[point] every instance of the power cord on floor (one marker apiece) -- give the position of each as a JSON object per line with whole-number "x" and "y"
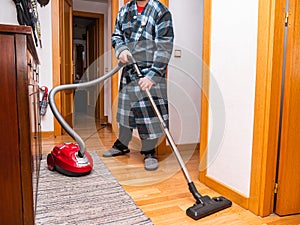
{"x": 103, "y": 125}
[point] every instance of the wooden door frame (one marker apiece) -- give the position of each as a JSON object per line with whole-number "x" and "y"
{"x": 287, "y": 183}
{"x": 267, "y": 107}
{"x": 114, "y": 63}
{"x": 56, "y": 58}
{"x": 66, "y": 60}
{"x": 56, "y": 75}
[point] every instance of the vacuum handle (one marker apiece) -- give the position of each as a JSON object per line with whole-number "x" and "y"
{"x": 136, "y": 68}
{"x": 60, "y": 118}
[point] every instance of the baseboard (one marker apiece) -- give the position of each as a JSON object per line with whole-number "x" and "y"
{"x": 165, "y": 149}
{"x": 226, "y": 191}
{"x": 184, "y": 147}
{"x": 46, "y": 134}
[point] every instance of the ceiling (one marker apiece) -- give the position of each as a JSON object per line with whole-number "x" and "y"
{"x": 80, "y": 23}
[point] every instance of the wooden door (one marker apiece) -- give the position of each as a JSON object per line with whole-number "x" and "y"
{"x": 165, "y": 2}
{"x": 66, "y": 66}
{"x": 288, "y": 195}
{"x": 95, "y": 68}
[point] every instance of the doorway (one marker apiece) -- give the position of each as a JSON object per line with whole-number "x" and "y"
{"x": 88, "y": 47}
{"x": 80, "y": 25}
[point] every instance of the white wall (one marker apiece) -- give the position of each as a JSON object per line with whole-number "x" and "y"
{"x": 45, "y": 56}
{"x": 184, "y": 77}
{"x": 233, "y": 70}
{"x": 8, "y": 15}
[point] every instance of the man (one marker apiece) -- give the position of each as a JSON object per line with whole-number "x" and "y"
{"x": 143, "y": 30}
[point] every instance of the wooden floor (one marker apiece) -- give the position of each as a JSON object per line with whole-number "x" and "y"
{"x": 163, "y": 194}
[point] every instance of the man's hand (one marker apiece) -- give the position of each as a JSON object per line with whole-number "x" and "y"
{"x": 145, "y": 83}
{"x": 123, "y": 57}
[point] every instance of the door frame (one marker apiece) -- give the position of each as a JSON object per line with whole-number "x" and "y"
{"x": 271, "y": 17}
{"x": 56, "y": 60}
{"x": 100, "y": 18}
{"x": 56, "y": 57}
{"x": 267, "y": 105}
{"x": 288, "y": 159}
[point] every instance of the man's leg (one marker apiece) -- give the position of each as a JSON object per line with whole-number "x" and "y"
{"x": 148, "y": 150}
{"x": 125, "y": 136}
{"x": 120, "y": 146}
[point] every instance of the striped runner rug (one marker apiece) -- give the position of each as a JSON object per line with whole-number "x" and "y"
{"x": 97, "y": 198}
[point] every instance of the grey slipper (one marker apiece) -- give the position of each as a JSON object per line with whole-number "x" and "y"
{"x": 115, "y": 152}
{"x": 151, "y": 163}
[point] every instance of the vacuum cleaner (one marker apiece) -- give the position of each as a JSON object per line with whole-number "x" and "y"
{"x": 72, "y": 159}
{"x": 204, "y": 205}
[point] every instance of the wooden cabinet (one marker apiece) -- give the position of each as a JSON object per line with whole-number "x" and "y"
{"x": 20, "y": 141}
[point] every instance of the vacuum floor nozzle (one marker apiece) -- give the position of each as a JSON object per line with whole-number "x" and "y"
{"x": 207, "y": 207}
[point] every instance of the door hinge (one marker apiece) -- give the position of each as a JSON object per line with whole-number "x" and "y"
{"x": 275, "y": 188}
{"x": 286, "y": 19}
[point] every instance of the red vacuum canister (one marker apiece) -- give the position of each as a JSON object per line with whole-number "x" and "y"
{"x": 65, "y": 159}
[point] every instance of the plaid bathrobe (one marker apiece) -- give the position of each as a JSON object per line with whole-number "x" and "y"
{"x": 149, "y": 37}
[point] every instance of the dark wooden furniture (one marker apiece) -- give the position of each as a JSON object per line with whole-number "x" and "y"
{"x": 20, "y": 141}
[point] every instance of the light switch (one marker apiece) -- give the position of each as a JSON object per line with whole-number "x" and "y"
{"x": 177, "y": 53}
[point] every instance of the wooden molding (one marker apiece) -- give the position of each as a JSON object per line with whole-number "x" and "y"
{"x": 114, "y": 62}
{"x": 226, "y": 191}
{"x": 46, "y": 134}
{"x": 267, "y": 105}
{"x": 205, "y": 88}
{"x": 88, "y": 15}
{"x": 56, "y": 57}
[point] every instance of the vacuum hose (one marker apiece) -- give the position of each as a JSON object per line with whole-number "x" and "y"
{"x": 60, "y": 118}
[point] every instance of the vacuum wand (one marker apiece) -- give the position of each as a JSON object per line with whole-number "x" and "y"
{"x": 191, "y": 184}
{"x": 204, "y": 204}
{"x": 60, "y": 118}
{"x": 192, "y": 187}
